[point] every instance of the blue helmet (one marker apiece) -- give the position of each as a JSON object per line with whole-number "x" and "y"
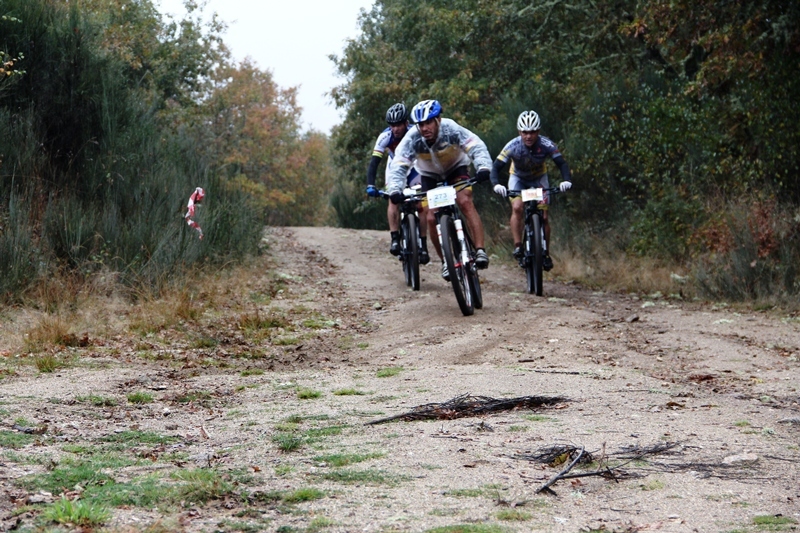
{"x": 425, "y": 110}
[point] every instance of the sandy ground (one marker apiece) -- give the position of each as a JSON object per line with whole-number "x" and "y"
{"x": 634, "y": 372}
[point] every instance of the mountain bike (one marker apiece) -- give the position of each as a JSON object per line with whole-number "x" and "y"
{"x": 457, "y": 246}
{"x": 533, "y": 240}
{"x": 410, "y": 239}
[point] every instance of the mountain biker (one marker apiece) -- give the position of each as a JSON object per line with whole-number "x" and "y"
{"x": 441, "y": 150}
{"x": 527, "y": 154}
{"x": 397, "y": 118}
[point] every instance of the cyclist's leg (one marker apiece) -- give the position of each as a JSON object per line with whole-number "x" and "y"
{"x": 430, "y": 216}
{"x": 517, "y": 211}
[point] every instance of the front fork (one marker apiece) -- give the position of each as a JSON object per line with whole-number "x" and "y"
{"x": 465, "y": 258}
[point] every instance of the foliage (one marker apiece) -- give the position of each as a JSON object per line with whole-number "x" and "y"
{"x": 113, "y": 116}
{"x": 665, "y": 110}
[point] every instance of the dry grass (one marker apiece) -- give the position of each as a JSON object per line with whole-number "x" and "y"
{"x": 619, "y": 272}
{"x": 63, "y": 312}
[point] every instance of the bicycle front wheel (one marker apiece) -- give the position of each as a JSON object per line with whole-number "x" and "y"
{"x": 472, "y": 272}
{"x": 451, "y": 250}
{"x": 410, "y": 239}
{"x": 534, "y": 256}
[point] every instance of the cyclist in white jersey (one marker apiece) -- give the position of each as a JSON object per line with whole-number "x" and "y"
{"x": 442, "y": 150}
{"x": 527, "y": 154}
{"x": 397, "y": 118}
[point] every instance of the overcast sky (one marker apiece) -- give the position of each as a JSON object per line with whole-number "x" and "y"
{"x": 292, "y": 39}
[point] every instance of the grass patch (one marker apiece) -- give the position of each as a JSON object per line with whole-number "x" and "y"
{"x": 329, "y": 431}
{"x": 653, "y": 484}
{"x": 139, "y": 437}
{"x": 308, "y": 394}
{"x": 97, "y": 401}
{"x": 513, "y": 515}
{"x": 65, "y": 477}
{"x": 79, "y": 513}
{"x": 468, "y": 528}
{"x": 251, "y": 372}
{"x": 741, "y": 424}
{"x": 288, "y": 442}
{"x": 465, "y": 493}
{"x": 303, "y": 495}
{"x": 344, "y": 459}
{"x": 319, "y": 523}
{"x": 146, "y": 492}
{"x": 773, "y": 523}
{"x": 318, "y": 322}
{"x": 538, "y": 418}
{"x": 348, "y": 392}
{"x": 389, "y": 372}
{"x": 201, "y": 485}
{"x": 14, "y": 440}
{"x": 140, "y": 397}
{"x": 47, "y": 363}
{"x": 370, "y": 477}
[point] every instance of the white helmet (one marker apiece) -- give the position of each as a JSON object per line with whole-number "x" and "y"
{"x": 528, "y": 121}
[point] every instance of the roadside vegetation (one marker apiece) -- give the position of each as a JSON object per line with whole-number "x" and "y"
{"x": 677, "y": 121}
{"x": 110, "y": 116}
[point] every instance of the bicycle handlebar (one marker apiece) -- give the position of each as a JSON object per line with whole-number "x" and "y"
{"x": 515, "y": 194}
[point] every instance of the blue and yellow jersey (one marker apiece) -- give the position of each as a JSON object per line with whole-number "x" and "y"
{"x": 528, "y": 163}
{"x": 386, "y": 143}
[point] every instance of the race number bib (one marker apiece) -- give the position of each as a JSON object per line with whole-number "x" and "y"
{"x": 441, "y": 197}
{"x": 532, "y": 195}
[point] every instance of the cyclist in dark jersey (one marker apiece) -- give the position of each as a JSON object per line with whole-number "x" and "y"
{"x": 527, "y": 155}
{"x": 397, "y": 118}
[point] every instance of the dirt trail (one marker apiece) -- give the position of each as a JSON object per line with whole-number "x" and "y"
{"x": 638, "y": 372}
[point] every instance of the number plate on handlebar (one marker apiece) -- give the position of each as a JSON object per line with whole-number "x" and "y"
{"x": 441, "y": 197}
{"x": 532, "y": 195}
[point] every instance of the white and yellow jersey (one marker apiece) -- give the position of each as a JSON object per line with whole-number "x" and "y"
{"x": 456, "y": 146}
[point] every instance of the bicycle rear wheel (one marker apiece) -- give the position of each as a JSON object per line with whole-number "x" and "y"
{"x": 410, "y": 240}
{"x": 451, "y": 250}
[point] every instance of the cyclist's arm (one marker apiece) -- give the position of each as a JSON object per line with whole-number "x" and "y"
{"x": 475, "y": 148}
{"x": 497, "y": 166}
{"x": 372, "y": 169}
{"x": 563, "y": 167}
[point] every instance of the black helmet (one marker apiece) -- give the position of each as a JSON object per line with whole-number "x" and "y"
{"x": 396, "y": 114}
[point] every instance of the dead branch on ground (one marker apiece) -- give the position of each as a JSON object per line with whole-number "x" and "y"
{"x": 468, "y": 405}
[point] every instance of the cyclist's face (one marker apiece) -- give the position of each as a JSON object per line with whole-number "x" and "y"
{"x": 529, "y": 138}
{"x": 399, "y": 129}
{"x": 429, "y": 129}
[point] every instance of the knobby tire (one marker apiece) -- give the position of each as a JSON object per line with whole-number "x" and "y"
{"x": 451, "y": 250}
{"x": 474, "y": 279}
{"x": 536, "y": 257}
{"x": 411, "y": 251}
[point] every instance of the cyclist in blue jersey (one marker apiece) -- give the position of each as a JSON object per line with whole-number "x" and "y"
{"x": 397, "y": 118}
{"x": 442, "y": 150}
{"x": 527, "y": 154}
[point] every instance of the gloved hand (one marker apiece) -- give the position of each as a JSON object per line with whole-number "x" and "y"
{"x": 397, "y": 197}
{"x": 372, "y": 191}
{"x": 501, "y": 190}
{"x": 565, "y": 186}
{"x": 483, "y": 175}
